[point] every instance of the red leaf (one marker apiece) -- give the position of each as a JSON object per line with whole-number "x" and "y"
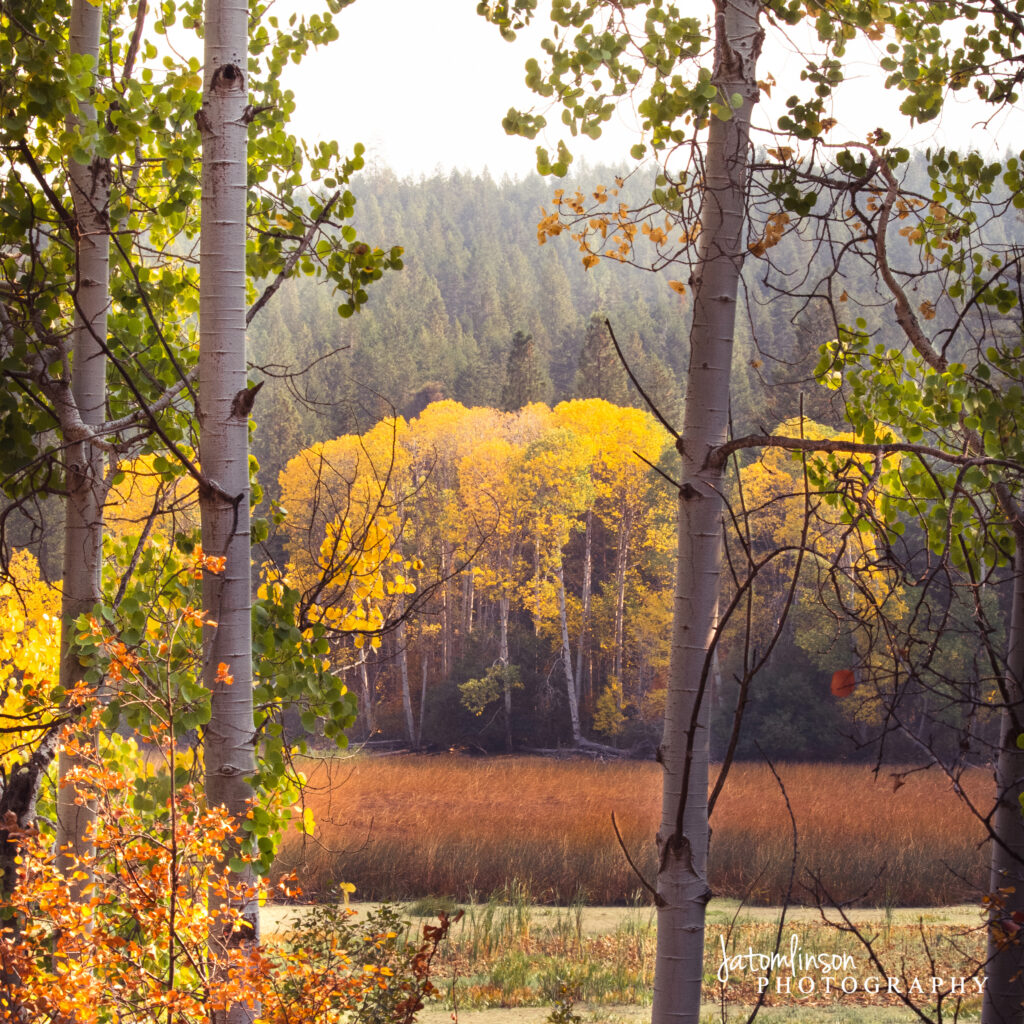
{"x": 843, "y": 682}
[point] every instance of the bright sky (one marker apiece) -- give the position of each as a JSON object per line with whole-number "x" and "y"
{"x": 423, "y": 84}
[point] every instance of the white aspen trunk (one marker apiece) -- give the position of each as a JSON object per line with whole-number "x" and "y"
{"x": 1004, "y": 996}
{"x": 468, "y": 596}
{"x": 86, "y": 489}
{"x": 588, "y": 544}
{"x": 504, "y": 603}
{"x": 570, "y": 685}
{"x": 403, "y": 672}
{"x": 423, "y": 700}
{"x": 621, "y": 555}
{"x": 229, "y": 740}
{"x": 446, "y": 623}
{"x": 369, "y": 722}
{"x": 536, "y": 576}
{"x": 403, "y": 653}
{"x": 683, "y": 890}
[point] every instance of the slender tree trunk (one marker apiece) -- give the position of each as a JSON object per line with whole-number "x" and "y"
{"x": 621, "y": 556}
{"x": 403, "y": 672}
{"x": 83, "y": 525}
{"x": 369, "y": 721}
{"x": 446, "y": 620}
{"x": 682, "y": 885}
{"x": 423, "y": 700}
{"x": 570, "y": 685}
{"x": 229, "y": 741}
{"x": 536, "y": 576}
{"x": 504, "y": 603}
{"x": 1004, "y": 994}
{"x": 468, "y": 596}
{"x": 588, "y": 542}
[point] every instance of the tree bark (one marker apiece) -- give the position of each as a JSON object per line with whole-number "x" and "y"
{"x": 423, "y": 699}
{"x": 588, "y": 544}
{"x": 403, "y": 672}
{"x": 504, "y": 603}
{"x": 682, "y": 885}
{"x": 229, "y": 740}
{"x": 621, "y": 556}
{"x": 369, "y": 721}
{"x": 1004, "y": 998}
{"x": 86, "y": 488}
{"x": 570, "y": 685}
{"x": 446, "y": 618}
{"x": 467, "y": 608}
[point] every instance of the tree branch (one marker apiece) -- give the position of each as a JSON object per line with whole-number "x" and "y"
{"x": 718, "y": 457}
{"x": 289, "y": 264}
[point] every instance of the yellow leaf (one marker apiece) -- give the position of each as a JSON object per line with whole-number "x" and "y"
{"x": 308, "y": 822}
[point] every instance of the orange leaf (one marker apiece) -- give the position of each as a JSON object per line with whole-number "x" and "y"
{"x": 843, "y": 682}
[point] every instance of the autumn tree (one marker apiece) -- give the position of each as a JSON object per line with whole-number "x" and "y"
{"x": 98, "y": 304}
{"x": 699, "y": 215}
{"x": 720, "y": 101}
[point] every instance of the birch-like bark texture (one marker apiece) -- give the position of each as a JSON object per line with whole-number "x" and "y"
{"x": 682, "y": 885}
{"x": 1004, "y": 972}
{"x": 84, "y": 479}
{"x": 229, "y": 749}
{"x": 504, "y": 604}
{"x": 570, "y": 684}
{"x": 621, "y": 557}
{"x": 584, "y": 601}
{"x": 403, "y": 672}
{"x": 369, "y": 721}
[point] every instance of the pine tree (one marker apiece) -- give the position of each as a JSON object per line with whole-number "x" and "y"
{"x": 599, "y": 373}
{"x": 525, "y": 379}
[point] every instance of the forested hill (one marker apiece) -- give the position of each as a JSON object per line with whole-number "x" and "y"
{"x": 475, "y": 277}
{"x": 444, "y": 326}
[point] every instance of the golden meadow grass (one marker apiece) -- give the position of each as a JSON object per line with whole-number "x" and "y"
{"x": 410, "y": 826}
{"x": 526, "y": 966}
{"x": 512, "y": 954}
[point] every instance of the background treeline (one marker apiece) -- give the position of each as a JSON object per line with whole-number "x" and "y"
{"x": 485, "y": 317}
{"x": 474, "y": 277}
{"x": 442, "y": 368}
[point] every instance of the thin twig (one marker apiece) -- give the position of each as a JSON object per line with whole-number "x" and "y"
{"x": 643, "y": 394}
{"x": 658, "y": 900}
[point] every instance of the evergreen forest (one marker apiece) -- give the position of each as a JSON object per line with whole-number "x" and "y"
{"x": 488, "y": 362}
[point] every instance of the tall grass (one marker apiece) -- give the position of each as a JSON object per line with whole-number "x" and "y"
{"x": 411, "y": 826}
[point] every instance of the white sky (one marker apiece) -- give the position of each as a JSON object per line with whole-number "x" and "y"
{"x": 423, "y": 84}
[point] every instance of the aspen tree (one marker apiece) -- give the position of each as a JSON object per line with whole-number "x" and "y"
{"x": 224, "y": 406}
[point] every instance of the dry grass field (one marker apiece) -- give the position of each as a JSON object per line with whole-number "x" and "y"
{"x": 410, "y": 826}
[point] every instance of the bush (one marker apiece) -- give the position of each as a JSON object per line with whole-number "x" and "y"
{"x": 334, "y": 943}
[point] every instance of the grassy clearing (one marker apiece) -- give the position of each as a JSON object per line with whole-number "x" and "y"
{"x": 710, "y": 1015}
{"x": 410, "y": 826}
{"x": 515, "y": 958}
